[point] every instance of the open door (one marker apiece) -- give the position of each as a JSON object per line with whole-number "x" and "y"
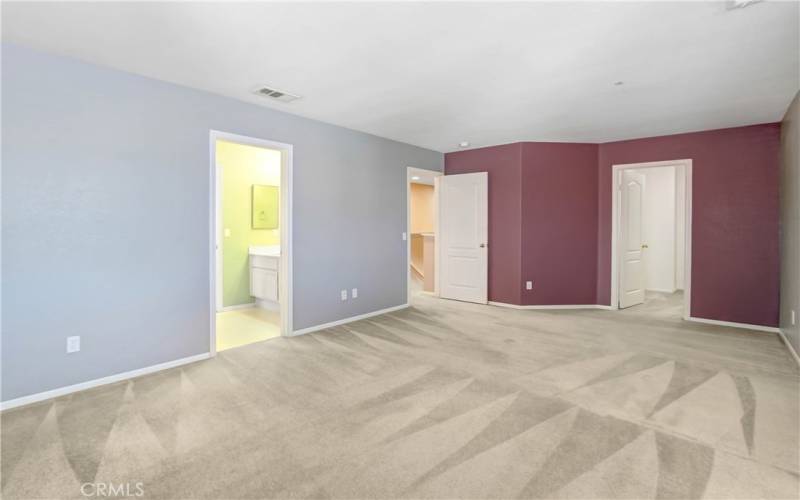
{"x": 463, "y": 236}
{"x": 632, "y": 271}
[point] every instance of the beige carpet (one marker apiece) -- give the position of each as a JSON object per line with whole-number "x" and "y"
{"x": 442, "y": 400}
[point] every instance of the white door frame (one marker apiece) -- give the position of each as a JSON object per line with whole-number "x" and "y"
{"x": 616, "y": 176}
{"x": 411, "y": 172}
{"x": 215, "y": 229}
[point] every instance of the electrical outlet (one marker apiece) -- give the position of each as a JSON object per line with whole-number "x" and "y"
{"x": 405, "y": 236}
{"x": 73, "y": 344}
{"x": 529, "y": 285}
{"x": 344, "y": 294}
{"x": 354, "y": 293}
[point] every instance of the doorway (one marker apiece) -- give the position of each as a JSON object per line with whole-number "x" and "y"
{"x": 651, "y": 238}
{"x": 457, "y": 249}
{"x": 421, "y": 234}
{"x": 251, "y": 279}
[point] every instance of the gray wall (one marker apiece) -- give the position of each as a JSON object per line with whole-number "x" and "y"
{"x": 790, "y": 223}
{"x": 105, "y": 233}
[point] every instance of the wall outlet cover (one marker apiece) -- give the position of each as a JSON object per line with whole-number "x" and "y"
{"x": 73, "y": 344}
{"x": 405, "y": 236}
{"x": 344, "y": 294}
{"x": 354, "y": 293}
{"x": 529, "y": 285}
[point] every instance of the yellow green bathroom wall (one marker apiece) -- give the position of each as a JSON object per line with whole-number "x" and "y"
{"x": 241, "y": 168}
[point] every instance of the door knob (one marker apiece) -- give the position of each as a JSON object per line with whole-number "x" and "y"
{"x": 644, "y": 245}
{"x": 483, "y": 245}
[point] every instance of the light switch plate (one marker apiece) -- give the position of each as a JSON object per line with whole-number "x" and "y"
{"x": 227, "y": 233}
{"x": 794, "y": 317}
{"x": 529, "y": 285}
{"x": 73, "y": 344}
{"x": 405, "y": 236}
{"x": 344, "y": 294}
{"x": 354, "y": 293}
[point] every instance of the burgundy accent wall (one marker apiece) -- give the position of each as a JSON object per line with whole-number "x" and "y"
{"x": 542, "y": 220}
{"x": 504, "y": 167}
{"x": 559, "y": 223}
{"x": 550, "y": 218}
{"x": 735, "y": 210}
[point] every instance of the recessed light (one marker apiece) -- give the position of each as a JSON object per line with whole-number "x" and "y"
{"x": 415, "y": 177}
{"x": 463, "y": 144}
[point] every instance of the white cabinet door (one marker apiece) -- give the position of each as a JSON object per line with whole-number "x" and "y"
{"x": 264, "y": 284}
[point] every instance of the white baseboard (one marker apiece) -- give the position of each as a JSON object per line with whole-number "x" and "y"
{"x": 573, "y": 306}
{"x": 348, "y": 320}
{"x": 238, "y": 307}
{"x": 62, "y": 391}
{"x": 268, "y": 305}
{"x": 789, "y": 346}
{"x": 746, "y": 326}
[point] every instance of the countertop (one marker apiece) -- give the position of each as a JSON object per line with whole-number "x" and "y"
{"x": 266, "y": 251}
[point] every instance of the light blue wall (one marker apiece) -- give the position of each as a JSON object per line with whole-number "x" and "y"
{"x": 105, "y": 206}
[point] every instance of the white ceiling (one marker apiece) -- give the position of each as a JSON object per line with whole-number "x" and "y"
{"x": 435, "y": 74}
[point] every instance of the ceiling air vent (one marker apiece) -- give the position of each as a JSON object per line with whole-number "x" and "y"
{"x": 278, "y": 95}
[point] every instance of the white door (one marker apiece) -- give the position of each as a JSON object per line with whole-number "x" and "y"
{"x": 463, "y": 236}
{"x": 632, "y": 271}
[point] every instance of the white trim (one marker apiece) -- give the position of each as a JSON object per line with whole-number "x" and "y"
{"x": 746, "y": 326}
{"x": 338, "y": 322}
{"x": 268, "y": 305}
{"x": 218, "y": 239}
{"x": 411, "y": 171}
{"x": 238, "y": 307}
{"x": 616, "y": 172}
{"x": 437, "y": 185}
{"x": 544, "y": 307}
{"x": 661, "y": 290}
{"x": 789, "y": 346}
{"x": 69, "y": 389}
{"x": 215, "y": 263}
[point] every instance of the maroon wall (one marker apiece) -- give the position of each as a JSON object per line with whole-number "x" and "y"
{"x": 504, "y": 167}
{"x": 550, "y": 218}
{"x": 735, "y": 260}
{"x": 559, "y": 223}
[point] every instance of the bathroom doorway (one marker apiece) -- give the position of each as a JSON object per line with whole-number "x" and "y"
{"x": 251, "y": 240}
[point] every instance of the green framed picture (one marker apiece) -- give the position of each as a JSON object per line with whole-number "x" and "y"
{"x": 265, "y": 205}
